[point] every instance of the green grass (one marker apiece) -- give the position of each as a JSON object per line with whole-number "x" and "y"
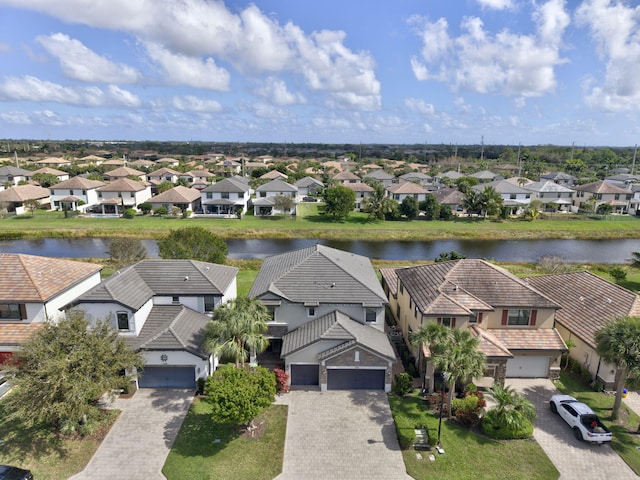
{"x": 195, "y": 455}
{"x": 625, "y": 441}
{"x": 310, "y": 224}
{"x": 47, "y": 455}
{"x": 468, "y": 455}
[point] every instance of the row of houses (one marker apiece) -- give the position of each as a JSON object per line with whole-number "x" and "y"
{"x": 327, "y": 314}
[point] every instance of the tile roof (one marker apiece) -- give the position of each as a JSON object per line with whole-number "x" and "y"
{"x": 449, "y": 196}
{"x": 502, "y": 187}
{"x": 587, "y": 301}
{"x": 600, "y": 187}
{"x": 228, "y": 185}
{"x": 133, "y": 286}
{"x": 277, "y": 186}
{"x": 489, "y": 344}
{"x": 468, "y": 285}
{"x": 358, "y": 187}
{"x": 308, "y": 182}
{"x": 123, "y": 172}
{"x": 15, "y": 171}
{"x": 20, "y": 193}
{"x": 162, "y": 171}
{"x": 390, "y": 277}
{"x": 336, "y": 326}
{"x": 177, "y": 194}
{"x": 320, "y": 274}
{"x": 548, "y": 186}
{"x": 172, "y": 327}
{"x": 529, "y": 338}
{"x": 17, "y": 333}
{"x": 274, "y": 174}
{"x": 77, "y": 183}
{"x": 30, "y": 278}
{"x": 406, "y": 188}
{"x": 123, "y": 185}
{"x": 346, "y": 175}
{"x": 379, "y": 175}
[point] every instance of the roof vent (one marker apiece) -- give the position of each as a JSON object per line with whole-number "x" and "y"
{"x": 186, "y": 278}
{"x": 333, "y": 284}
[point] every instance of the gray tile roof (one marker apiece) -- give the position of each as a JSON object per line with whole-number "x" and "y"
{"x": 320, "y": 274}
{"x": 462, "y": 286}
{"x": 77, "y": 183}
{"x": 277, "y": 185}
{"x": 177, "y": 194}
{"x": 228, "y": 185}
{"x": 308, "y": 182}
{"x": 336, "y": 326}
{"x": 135, "y": 285}
{"x": 172, "y": 327}
{"x": 502, "y": 187}
{"x": 587, "y": 301}
{"x": 548, "y": 186}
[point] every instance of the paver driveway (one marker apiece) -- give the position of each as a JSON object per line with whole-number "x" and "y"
{"x": 574, "y": 459}
{"x": 345, "y": 435}
{"x": 138, "y": 444}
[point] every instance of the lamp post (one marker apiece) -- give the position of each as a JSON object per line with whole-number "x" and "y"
{"x": 444, "y": 383}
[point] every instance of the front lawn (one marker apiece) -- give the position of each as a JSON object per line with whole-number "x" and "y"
{"x": 626, "y": 441}
{"x": 206, "y": 450}
{"x": 468, "y": 455}
{"x": 47, "y": 455}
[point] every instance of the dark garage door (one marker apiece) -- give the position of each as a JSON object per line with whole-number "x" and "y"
{"x": 167, "y": 377}
{"x": 355, "y": 379}
{"x": 304, "y": 375}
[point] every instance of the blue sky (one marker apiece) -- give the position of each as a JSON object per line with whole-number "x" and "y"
{"x": 351, "y": 71}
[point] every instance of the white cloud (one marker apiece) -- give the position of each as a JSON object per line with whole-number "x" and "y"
{"x": 192, "y": 71}
{"x": 506, "y": 63}
{"x": 80, "y": 63}
{"x": 615, "y": 30}
{"x": 420, "y": 106}
{"x": 496, "y": 4}
{"x": 16, "y": 118}
{"x": 33, "y": 89}
{"x": 189, "y": 39}
{"x": 191, "y": 103}
{"x": 276, "y": 91}
{"x": 47, "y": 117}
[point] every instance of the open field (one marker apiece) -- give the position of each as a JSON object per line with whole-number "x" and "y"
{"x": 311, "y": 224}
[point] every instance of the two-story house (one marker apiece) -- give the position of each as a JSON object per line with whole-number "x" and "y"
{"x": 161, "y": 308}
{"x": 362, "y": 191}
{"x": 381, "y": 176}
{"x": 34, "y": 290}
{"x": 77, "y": 193}
{"x": 121, "y": 194}
{"x": 402, "y": 190}
{"x": 266, "y": 202}
{"x": 346, "y": 177}
{"x": 11, "y": 176}
{"x": 185, "y": 198}
{"x": 513, "y": 196}
{"x": 61, "y": 176}
{"x": 597, "y": 193}
{"x": 14, "y": 198}
{"x": 228, "y": 197}
{"x": 553, "y": 196}
{"x": 308, "y": 187}
{"x": 327, "y": 318}
{"x": 513, "y": 321}
{"x": 123, "y": 172}
{"x": 163, "y": 175}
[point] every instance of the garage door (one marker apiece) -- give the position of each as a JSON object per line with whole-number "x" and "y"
{"x": 167, "y": 377}
{"x": 528, "y": 367}
{"x": 355, "y": 379}
{"x": 304, "y": 375}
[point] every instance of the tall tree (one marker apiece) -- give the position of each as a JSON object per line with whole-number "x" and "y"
{"x": 238, "y": 329}
{"x": 193, "y": 243}
{"x": 618, "y": 343}
{"x": 124, "y": 251}
{"x": 409, "y": 208}
{"x": 453, "y": 351}
{"x": 64, "y": 368}
{"x": 340, "y": 201}
{"x": 46, "y": 179}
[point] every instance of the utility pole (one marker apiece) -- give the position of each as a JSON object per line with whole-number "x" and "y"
{"x": 633, "y": 163}
{"x": 519, "y": 164}
{"x": 482, "y": 148}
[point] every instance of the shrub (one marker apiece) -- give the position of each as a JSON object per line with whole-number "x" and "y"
{"x": 282, "y": 380}
{"x": 403, "y": 384}
{"x": 618, "y": 274}
{"x": 130, "y": 213}
{"x": 468, "y": 409}
{"x": 145, "y": 207}
{"x": 201, "y": 382}
{"x": 160, "y": 211}
{"x": 585, "y": 376}
{"x": 492, "y": 428}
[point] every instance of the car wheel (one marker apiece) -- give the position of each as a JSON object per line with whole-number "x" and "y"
{"x": 577, "y": 433}
{"x": 553, "y": 407}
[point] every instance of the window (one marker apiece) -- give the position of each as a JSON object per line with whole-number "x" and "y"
{"x": 512, "y": 196}
{"x": 224, "y": 195}
{"x": 209, "y": 303}
{"x": 175, "y": 299}
{"x": 99, "y": 194}
{"x": 401, "y": 289}
{"x": 370, "y": 315}
{"x": 446, "y": 321}
{"x": 123, "y": 320}
{"x": 209, "y": 195}
{"x": 12, "y": 311}
{"x": 398, "y": 311}
{"x": 311, "y": 312}
{"x": 272, "y": 313}
{"x": 519, "y": 317}
{"x": 617, "y": 196}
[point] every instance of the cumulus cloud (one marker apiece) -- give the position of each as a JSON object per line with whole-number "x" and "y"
{"x": 275, "y": 91}
{"x": 33, "y": 89}
{"x": 615, "y": 30}
{"x": 190, "y": 39}
{"x": 496, "y": 4}
{"x": 16, "y": 118}
{"x": 479, "y": 61}
{"x": 191, "y": 103}
{"x": 80, "y": 63}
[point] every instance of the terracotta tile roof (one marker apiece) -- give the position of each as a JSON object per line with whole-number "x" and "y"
{"x": 21, "y": 193}
{"x": 123, "y": 172}
{"x": 29, "y": 278}
{"x": 358, "y": 187}
{"x": 529, "y": 338}
{"x": 489, "y": 344}
{"x": 77, "y": 183}
{"x": 123, "y": 185}
{"x": 391, "y": 280}
{"x": 600, "y": 187}
{"x": 17, "y": 333}
{"x": 587, "y": 301}
{"x": 177, "y": 194}
{"x": 346, "y": 175}
{"x": 406, "y": 188}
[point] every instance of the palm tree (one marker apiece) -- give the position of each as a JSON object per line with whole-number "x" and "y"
{"x": 237, "y": 330}
{"x": 377, "y": 205}
{"x": 512, "y": 411}
{"x": 453, "y": 351}
{"x": 471, "y": 202}
{"x": 490, "y": 202}
{"x": 617, "y": 343}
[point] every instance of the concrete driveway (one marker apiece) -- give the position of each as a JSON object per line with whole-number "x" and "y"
{"x": 139, "y": 442}
{"x": 574, "y": 459}
{"x": 344, "y": 435}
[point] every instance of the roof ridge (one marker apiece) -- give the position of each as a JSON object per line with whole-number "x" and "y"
{"x": 22, "y": 258}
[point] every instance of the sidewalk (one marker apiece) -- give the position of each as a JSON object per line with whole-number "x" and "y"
{"x": 633, "y": 402}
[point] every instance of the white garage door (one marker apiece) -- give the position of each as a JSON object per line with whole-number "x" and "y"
{"x": 528, "y": 367}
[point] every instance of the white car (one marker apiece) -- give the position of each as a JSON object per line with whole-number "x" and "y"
{"x": 585, "y": 423}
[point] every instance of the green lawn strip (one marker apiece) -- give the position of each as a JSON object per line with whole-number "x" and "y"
{"x": 47, "y": 455}
{"x": 468, "y": 455}
{"x": 313, "y": 225}
{"x": 196, "y": 455}
{"x": 625, "y": 441}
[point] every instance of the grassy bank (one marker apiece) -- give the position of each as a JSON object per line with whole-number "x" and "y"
{"x": 313, "y": 225}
